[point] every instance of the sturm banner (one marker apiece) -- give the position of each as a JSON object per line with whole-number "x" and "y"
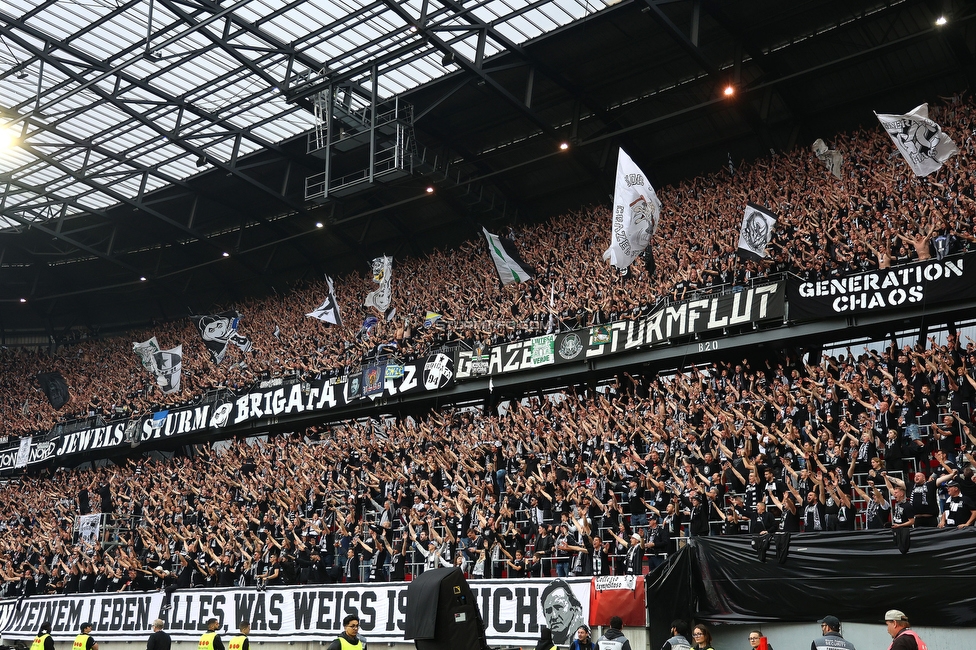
{"x": 268, "y": 402}
{"x": 513, "y": 611}
{"x": 914, "y": 285}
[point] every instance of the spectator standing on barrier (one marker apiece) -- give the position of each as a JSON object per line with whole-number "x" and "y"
{"x": 210, "y": 640}
{"x": 43, "y": 640}
{"x": 84, "y": 640}
{"x": 902, "y": 636}
{"x": 159, "y": 639}
{"x": 679, "y": 636}
{"x": 349, "y": 638}
{"x": 831, "y": 639}
{"x": 614, "y": 639}
{"x": 241, "y": 642}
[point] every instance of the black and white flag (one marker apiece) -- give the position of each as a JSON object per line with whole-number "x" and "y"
{"x": 169, "y": 369}
{"x": 145, "y": 352}
{"x": 55, "y": 387}
{"x": 328, "y": 311}
{"x": 920, "y": 141}
{"x": 756, "y": 232}
{"x": 220, "y": 330}
{"x": 382, "y": 275}
{"x": 636, "y": 212}
{"x": 831, "y": 158}
{"x": 508, "y": 263}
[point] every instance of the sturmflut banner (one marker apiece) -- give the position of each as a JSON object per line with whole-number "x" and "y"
{"x": 684, "y": 318}
{"x": 514, "y": 611}
{"x": 913, "y": 285}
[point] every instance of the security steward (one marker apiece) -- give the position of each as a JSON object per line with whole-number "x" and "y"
{"x": 209, "y": 640}
{"x": 84, "y": 641}
{"x": 43, "y": 640}
{"x": 831, "y": 639}
{"x": 349, "y": 639}
{"x": 240, "y": 641}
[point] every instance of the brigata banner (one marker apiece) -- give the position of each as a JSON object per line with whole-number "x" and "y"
{"x": 913, "y": 285}
{"x": 269, "y": 401}
{"x": 693, "y": 316}
{"x": 513, "y": 610}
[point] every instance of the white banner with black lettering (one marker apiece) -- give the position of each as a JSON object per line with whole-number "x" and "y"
{"x": 513, "y": 610}
{"x": 118, "y": 616}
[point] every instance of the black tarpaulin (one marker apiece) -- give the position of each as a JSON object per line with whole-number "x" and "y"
{"x": 855, "y": 575}
{"x": 442, "y": 613}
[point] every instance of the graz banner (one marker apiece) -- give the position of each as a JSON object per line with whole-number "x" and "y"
{"x": 751, "y": 305}
{"x": 513, "y": 611}
{"x": 913, "y": 285}
{"x": 272, "y": 400}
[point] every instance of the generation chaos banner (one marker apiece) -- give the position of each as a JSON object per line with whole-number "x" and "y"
{"x": 913, "y": 285}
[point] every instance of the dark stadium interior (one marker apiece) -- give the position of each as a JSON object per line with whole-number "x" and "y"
{"x": 632, "y": 75}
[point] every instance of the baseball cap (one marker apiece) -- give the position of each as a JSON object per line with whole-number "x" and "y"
{"x": 895, "y": 615}
{"x": 953, "y": 483}
{"x": 830, "y": 621}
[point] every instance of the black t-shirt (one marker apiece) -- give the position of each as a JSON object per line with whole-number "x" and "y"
{"x": 923, "y": 499}
{"x": 901, "y": 512}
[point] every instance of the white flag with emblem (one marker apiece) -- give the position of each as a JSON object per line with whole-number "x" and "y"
{"x": 920, "y": 141}
{"x": 636, "y": 212}
{"x": 756, "y": 232}
{"x": 382, "y": 275}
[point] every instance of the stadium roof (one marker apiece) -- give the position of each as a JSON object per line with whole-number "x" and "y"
{"x": 154, "y": 136}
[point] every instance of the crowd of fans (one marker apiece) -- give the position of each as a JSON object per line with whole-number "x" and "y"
{"x": 786, "y": 443}
{"x": 879, "y": 214}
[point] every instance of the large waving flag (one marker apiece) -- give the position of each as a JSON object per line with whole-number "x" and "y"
{"x": 920, "y": 141}
{"x": 636, "y": 212}
{"x": 756, "y": 232}
{"x": 329, "y": 310}
{"x": 382, "y": 275}
{"x": 509, "y": 264}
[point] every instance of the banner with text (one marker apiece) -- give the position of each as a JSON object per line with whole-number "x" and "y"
{"x": 913, "y": 285}
{"x": 118, "y": 616}
{"x": 688, "y": 317}
{"x": 513, "y": 611}
{"x": 269, "y": 401}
